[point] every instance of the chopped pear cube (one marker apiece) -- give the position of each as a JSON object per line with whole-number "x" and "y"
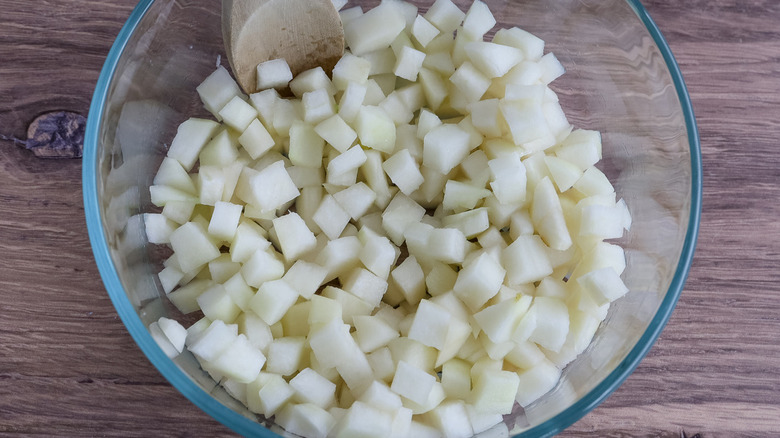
{"x": 273, "y": 74}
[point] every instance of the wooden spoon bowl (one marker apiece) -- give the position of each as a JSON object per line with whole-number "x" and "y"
{"x": 306, "y": 33}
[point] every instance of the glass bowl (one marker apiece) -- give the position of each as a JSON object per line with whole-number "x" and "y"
{"x": 621, "y": 80}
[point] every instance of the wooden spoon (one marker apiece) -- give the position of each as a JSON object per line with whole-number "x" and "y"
{"x": 306, "y": 33}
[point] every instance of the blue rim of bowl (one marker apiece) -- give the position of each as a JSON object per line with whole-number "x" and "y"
{"x": 247, "y": 427}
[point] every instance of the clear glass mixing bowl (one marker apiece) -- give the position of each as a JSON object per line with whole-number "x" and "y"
{"x": 621, "y": 80}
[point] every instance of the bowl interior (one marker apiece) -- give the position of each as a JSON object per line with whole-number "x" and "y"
{"x": 621, "y": 80}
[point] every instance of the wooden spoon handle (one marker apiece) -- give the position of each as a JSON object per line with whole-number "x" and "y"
{"x": 306, "y": 33}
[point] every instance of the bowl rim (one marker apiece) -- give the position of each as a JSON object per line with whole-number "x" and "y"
{"x": 248, "y": 427}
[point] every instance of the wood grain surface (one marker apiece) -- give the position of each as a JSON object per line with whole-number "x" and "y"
{"x": 68, "y": 367}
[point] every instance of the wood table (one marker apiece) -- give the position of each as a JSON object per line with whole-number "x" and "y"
{"x": 68, "y": 367}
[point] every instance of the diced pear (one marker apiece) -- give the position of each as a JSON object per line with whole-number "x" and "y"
{"x": 375, "y": 129}
{"x": 556, "y": 118}
{"x": 273, "y": 395}
{"x": 365, "y": 285}
{"x": 564, "y": 174}
{"x": 305, "y": 277}
{"x": 430, "y": 325}
{"x": 478, "y": 21}
{"x": 526, "y": 122}
{"x": 401, "y": 212}
{"x": 351, "y": 305}
{"x": 439, "y": 62}
{"x": 493, "y": 60}
{"x": 285, "y": 113}
{"x": 409, "y": 278}
{"x": 240, "y": 361}
{"x": 525, "y": 260}
{"x": 470, "y": 81}
{"x": 336, "y": 132}
{"x": 377, "y": 88}
{"x": 374, "y": 30}
{"x": 581, "y": 148}
{"x": 318, "y": 105}
{"x": 220, "y": 151}
{"x": 552, "y": 69}
{"x": 265, "y": 102}
{"x": 479, "y": 281}
{"x": 509, "y": 179}
{"x": 448, "y": 245}
{"x": 262, "y": 266}
{"x": 338, "y": 256}
{"x": 381, "y": 362}
{"x": 445, "y": 15}
{"x": 285, "y": 355}
{"x": 423, "y": 31}
{"x": 294, "y": 236}
{"x": 536, "y": 382}
{"x": 531, "y": 45}
{"x": 214, "y": 340}
{"x": 306, "y": 419}
{"x": 593, "y": 182}
{"x": 495, "y": 392}
{"x": 451, "y": 419}
{"x": 351, "y": 69}
{"x": 604, "y": 285}
{"x": 412, "y": 383}
{"x": 403, "y": 171}
{"x": 224, "y": 220}
{"x": 395, "y": 108}
{"x": 486, "y": 117}
{"x": 552, "y": 324}
{"x": 217, "y": 304}
{"x": 362, "y": 420}
{"x": 185, "y": 297}
{"x": 179, "y": 211}
{"x": 470, "y": 223}
{"x": 217, "y": 90}
{"x": 444, "y": 147}
{"x": 269, "y": 188}
{"x": 158, "y": 228}
{"x": 434, "y": 87}
{"x": 605, "y": 222}
{"x": 456, "y": 379}
{"x": 306, "y": 146}
{"x": 351, "y": 101}
{"x": 460, "y": 196}
{"x": 486, "y": 423}
{"x": 372, "y": 333}
{"x": 238, "y": 114}
{"x": 330, "y": 217}
{"x": 273, "y": 74}
{"x": 440, "y": 279}
{"x": 499, "y": 320}
{"x": 349, "y": 14}
{"x": 192, "y": 246}
{"x": 169, "y": 278}
{"x": 412, "y": 97}
{"x": 547, "y": 216}
{"x": 247, "y": 239}
{"x": 408, "y": 63}
{"x": 312, "y": 80}
{"x": 191, "y": 136}
{"x": 173, "y": 175}
{"x": 174, "y": 332}
{"x": 311, "y": 387}
{"x": 272, "y": 300}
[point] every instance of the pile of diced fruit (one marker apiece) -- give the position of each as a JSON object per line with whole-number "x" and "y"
{"x": 408, "y": 247}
